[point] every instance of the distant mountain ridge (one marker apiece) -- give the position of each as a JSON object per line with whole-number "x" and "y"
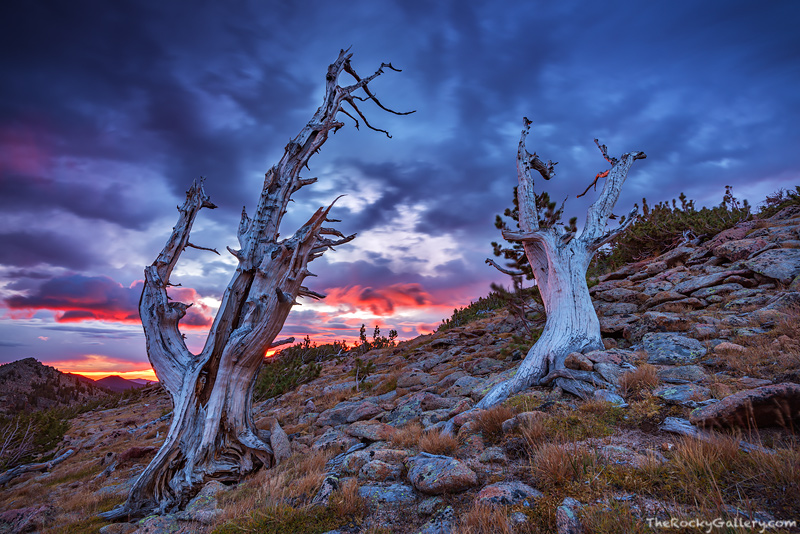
{"x": 30, "y": 385}
{"x": 118, "y": 384}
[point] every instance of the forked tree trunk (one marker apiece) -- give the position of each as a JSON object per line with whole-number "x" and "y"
{"x": 212, "y": 435}
{"x": 559, "y": 260}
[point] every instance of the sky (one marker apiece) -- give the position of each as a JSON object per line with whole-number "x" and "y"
{"x": 109, "y": 110}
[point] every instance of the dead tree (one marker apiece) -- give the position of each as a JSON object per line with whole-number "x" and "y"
{"x": 212, "y": 435}
{"x": 559, "y": 260}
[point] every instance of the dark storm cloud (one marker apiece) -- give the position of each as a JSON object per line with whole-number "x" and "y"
{"x": 105, "y": 202}
{"x": 33, "y": 248}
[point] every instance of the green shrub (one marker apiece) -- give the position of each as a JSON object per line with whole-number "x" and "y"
{"x": 779, "y": 200}
{"x": 665, "y": 225}
{"x": 473, "y": 311}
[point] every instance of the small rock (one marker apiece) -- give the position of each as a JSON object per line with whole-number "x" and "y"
{"x": 577, "y": 361}
{"x": 610, "y": 372}
{"x": 436, "y": 474}
{"x": 365, "y": 410}
{"x": 511, "y": 425}
{"x": 371, "y": 430}
{"x": 281, "y": 448}
{"x": 323, "y": 496}
{"x": 379, "y": 471}
{"x": 509, "y": 494}
{"x": 429, "y": 506}
{"x": 493, "y": 455}
{"x": 609, "y": 396}
{"x": 442, "y": 523}
{"x": 567, "y": 521}
{"x": 682, "y": 393}
{"x": 396, "y": 493}
{"x": 682, "y": 374}
{"x": 335, "y": 440}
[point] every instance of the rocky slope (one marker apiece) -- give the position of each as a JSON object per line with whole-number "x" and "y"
{"x": 27, "y": 385}
{"x": 697, "y": 397}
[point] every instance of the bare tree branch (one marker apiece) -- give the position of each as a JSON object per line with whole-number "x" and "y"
{"x": 502, "y": 270}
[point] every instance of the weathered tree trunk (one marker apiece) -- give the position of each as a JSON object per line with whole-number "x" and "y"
{"x": 559, "y": 261}
{"x": 212, "y": 435}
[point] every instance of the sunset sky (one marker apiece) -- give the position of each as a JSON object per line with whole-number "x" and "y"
{"x": 109, "y": 110}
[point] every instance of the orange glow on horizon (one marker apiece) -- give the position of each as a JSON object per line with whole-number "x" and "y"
{"x": 146, "y": 374}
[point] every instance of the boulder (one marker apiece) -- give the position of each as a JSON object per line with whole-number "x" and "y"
{"x": 364, "y": 410}
{"x": 667, "y": 348}
{"x": 463, "y": 386}
{"x": 652, "y": 321}
{"x": 435, "y": 474}
{"x": 782, "y": 264}
{"x": 722, "y": 289}
{"x": 508, "y": 494}
{"x": 338, "y": 414}
{"x": 371, "y": 430}
{"x": 698, "y": 282}
{"x": 335, "y": 440}
{"x": 662, "y": 297}
{"x": 773, "y": 405}
{"x": 620, "y": 294}
{"x": 739, "y": 249}
{"x": 682, "y": 374}
{"x": 415, "y": 378}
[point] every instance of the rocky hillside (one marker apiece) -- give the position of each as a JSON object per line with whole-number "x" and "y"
{"x": 693, "y": 418}
{"x": 27, "y": 385}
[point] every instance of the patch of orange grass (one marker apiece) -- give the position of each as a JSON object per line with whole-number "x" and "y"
{"x": 490, "y": 421}
{"x": 556, "y": 464}
{"x": 434, "y": 442}
{"x": 408, "y": 436}
{"x": 643, "y": 378}
{"x": 347, "y": 502}
{"x": 485, "y": 519}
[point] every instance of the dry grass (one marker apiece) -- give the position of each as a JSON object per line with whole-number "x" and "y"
{"x": 534, "y": 432}
{"x": 485, "y": 519}
{"x": 346, "y": 501}
{"x": 387, "y": 384}
{"x": 408, "y": 436}
{"x": 643, "y": 378}
{"x": 435, "y": 442}
{"x": 611, "y": 518}
{"x": 557, "y": 464}
{"x": 490, "y": 421}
